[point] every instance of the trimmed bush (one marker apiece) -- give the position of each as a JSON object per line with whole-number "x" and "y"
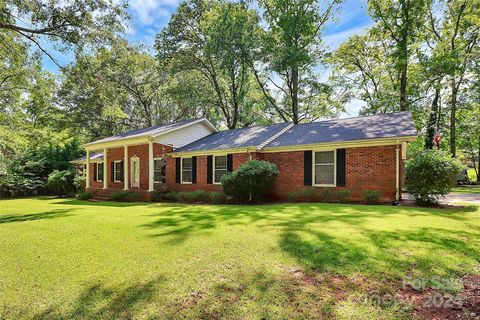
{"x": 61, "y": 183}
{"x": 196, "y": 196}
{"x": 217, "y": 197}
{"x": 158, "y": 196}
{"x": 171, "y": 197}
{"x": 125, "y": 196}
{"x": 430, "y": 174}
{"x": 343, "y": 195}
{"x": 327, "y": 195}
{"x": 84, "y": 195}
{"x": 309, "y": 193}
{"x": 371, "y": 196}
{"x": 251, "y": 181}
{"x": 292, "y": 196}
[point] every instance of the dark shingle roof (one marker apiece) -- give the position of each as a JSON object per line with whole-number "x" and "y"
{"x": 145, "y": 131}
{"x": 237, "y": 138}
{"x": 93, "y": 156}
{"x": 387, "y": 125}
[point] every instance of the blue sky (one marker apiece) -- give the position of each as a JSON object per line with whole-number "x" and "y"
{"x": 150, "y": 16}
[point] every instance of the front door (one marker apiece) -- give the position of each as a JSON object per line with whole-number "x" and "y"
{"x": 135, "y": 165}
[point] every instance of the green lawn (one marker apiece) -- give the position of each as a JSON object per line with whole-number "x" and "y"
{"x": 472, "y": 189}
{"x": 68, "y": 259}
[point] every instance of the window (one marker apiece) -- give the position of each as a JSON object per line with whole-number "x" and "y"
{"x": 117, "y": 171}
{"x": 159, "y": 170}
{"x": 324, "y": 168}
{"x": 220, "y": 168}
{"x": 99, "y": 171}
{"x": 186, "y": 170}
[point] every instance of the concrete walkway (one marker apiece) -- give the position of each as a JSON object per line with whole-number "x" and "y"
{"x": 461, "y": 197}
{"x": 455, "y": 198}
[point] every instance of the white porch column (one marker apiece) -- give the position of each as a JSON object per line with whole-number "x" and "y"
{"x": 87, "y": 183}
{"x": 125, "y": 167}
{"x": 105, "y": 167}
{"x": 150, "y": 166}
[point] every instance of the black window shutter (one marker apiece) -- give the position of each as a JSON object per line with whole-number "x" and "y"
{"x": 112, "y": 171}
{"x": 229, "y": 162}
{"x": 194, "y": 169}
{"x": 122, "y": 176}
{"x": 307, "y": 168}
{"x": 341, "y": 167}
{"x": 177, "y": 169}
{"x": 209, "y": 169}
{"x": 94, "y": 172}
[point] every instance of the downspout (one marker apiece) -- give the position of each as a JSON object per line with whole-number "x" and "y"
{"x": 397, "y": 173}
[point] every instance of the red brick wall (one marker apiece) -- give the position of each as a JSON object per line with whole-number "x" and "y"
{"x": 238, "y": 159}
{"x": 140, "y": 151}
{"x": 366, "y": 168}
{"x": 370, "y": 168}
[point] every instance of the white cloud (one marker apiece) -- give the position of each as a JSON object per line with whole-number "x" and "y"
{"x": 336, "y": 39}
{"x": 148, "y": 10}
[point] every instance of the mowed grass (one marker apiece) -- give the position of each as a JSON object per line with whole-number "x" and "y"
{"x": 68, "y": 259}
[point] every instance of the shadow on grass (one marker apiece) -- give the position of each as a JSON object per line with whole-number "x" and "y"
{"x": 305, "y": 234}
{"x": 57, "y": 213}
{"x": 75, "y": 202}
{"x": 102, "y": 302}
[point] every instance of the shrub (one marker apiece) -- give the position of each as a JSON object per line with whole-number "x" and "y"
{"x": 327, "y": 195}
{"x": 79, "y": 182}
{"x": 61, "y": 183}
{"x": 125, "y": 196}
{"x": 309, "y": 193}
{"x": 371, "y": 196}
{"x": 292, "y": 196}
{"x": 171, "y": 196}
{"x": 196, "y": 196}
{"x": 429, "y": 174}
{"x": 343, "y": 195}
{"x": 251, "y": 181}
{"x": 84, "y": 195}
{"x": 217, "y": 197}
{"x": 158, "y": 196}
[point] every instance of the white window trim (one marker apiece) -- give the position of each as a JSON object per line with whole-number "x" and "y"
{"x": 115, "y": 170}
{"x": 181, "y": 171}
{"x": 213, "y": 166}
{"x": 334, "y": 168}
{"x": 97, "y": 164}
{"x": 155, "y": 181}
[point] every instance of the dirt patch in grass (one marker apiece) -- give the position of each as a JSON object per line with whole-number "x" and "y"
{"x": 429, "y": 303}
{"x": 435, "y": 305}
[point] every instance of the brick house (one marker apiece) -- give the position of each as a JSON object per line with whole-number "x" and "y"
{"x": 363, "y": 153}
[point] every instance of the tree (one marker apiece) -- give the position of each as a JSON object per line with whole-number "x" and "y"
{"x": 291, "y": 51}
{"x": 362, "y": 67}
{"x": 402, "y": 20}
{"x": 212, "y": 40}
{"x": 455, "y": 34}
{"x": 116, "y": 89}
{"x": 66, "y": 23}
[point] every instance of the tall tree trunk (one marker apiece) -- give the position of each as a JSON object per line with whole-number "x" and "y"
{"x": 453, "y": 112}
{"x": 403, "y": 55}
{"x": 294, "y": 95}
{"x": 432, "y": 121}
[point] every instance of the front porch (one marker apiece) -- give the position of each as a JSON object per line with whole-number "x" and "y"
{"x": 130, "y": 167}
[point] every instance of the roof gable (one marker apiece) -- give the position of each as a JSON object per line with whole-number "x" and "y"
{"x": 154, "y": 131}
